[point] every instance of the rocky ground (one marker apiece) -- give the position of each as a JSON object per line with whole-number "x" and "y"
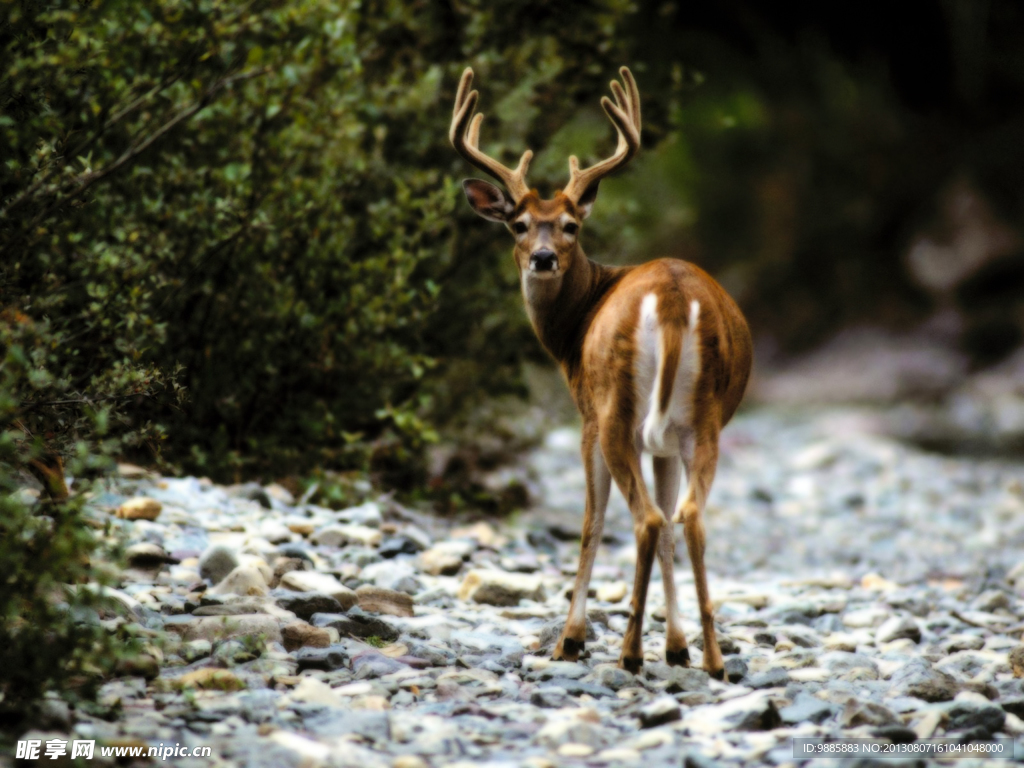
{"x": 863, "y": 588}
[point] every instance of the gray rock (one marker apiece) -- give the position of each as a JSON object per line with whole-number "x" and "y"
{"x": 258, "y": 706}
{"x": 356, "y": 623}
{"x": 580, "y": 687}
{"x": 610, "y": 676}
{"x": 982, "y": 720}
{"x": 660, "y": 711}
{"x": 843, "y": 661}
{"x": 217, "y": 562}
{"x": 433, "y": 655}
{"x": 919, "y": 680}
{"x": 774, "y": 677}
{"x": 858, "y": 713}
{"x": 550, "y": 697}
{"x": 806, "y": 709}
{"x": 568, "y": 669}
{"x": 372, "y": 664}
{"x": 372, "y": 725}
{"x": 679, "y": 679}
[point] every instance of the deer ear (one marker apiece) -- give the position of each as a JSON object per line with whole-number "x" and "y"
{"x": 586, "y": 201}
{"x": 488, "y": 200}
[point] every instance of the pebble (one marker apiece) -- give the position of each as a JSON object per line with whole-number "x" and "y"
{"x": 243, "y": 580}
{"x": 380, "y": 635}
{"x": 896, "y": 628}
{"x": 660, "y": 711}
{"x": 501, "y": 588}
{"x": 387, "y": 601}
{"x": 305, "y": 604}
{"x": 299, "y": 634}
{"x": 216, "y": 562}
{"x": 140, "y": 508}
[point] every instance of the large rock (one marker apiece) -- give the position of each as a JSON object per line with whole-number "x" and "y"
{"x": 216, "y": 562}
{"x": 140, "y": 508}
{"x": 501, "y": 588}
{"x": 312, "y": 581}
{"x": 388, "y": 601}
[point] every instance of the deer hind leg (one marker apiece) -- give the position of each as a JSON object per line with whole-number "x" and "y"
{"x": 667, "y": 471}
{"x": 571, "y": 643}
{"x": 701, "y": 471}
{"x": 622, "y": 456}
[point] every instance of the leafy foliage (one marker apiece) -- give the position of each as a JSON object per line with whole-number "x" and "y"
{"x": 249, "y": 204}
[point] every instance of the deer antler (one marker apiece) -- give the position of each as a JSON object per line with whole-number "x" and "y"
{"x": 466, "y": 140}
{"x": 625, "y": 116}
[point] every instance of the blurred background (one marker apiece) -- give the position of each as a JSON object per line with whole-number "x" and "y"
{"x": 232, "y": 239}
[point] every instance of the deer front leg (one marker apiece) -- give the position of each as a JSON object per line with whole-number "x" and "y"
{"x": 701, "y": 471}
{"x": 623, "y": 459}
{"x": 573, "y": 638}
{"x": 667, "y": 471}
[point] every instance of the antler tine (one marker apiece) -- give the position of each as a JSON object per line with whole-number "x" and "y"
{"x": 624, "y": 113}
{"x": 465, "y": 137}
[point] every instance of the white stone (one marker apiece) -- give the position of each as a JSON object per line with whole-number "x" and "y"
{"x": 312, "y": 581}
{"x": 865, "y": 617}
{"x": 612, "y": 593}
{"x": 313, "y": 691}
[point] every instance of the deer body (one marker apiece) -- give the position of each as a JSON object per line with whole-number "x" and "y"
{"x": 656, "y": 357}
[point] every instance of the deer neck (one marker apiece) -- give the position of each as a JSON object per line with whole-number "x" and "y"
{"x": 562, "y": 308}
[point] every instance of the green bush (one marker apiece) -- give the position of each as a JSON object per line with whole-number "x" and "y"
{"x": 253, "y": 204}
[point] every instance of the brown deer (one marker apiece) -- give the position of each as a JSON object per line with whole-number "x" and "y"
{"x": 656, "y": 357}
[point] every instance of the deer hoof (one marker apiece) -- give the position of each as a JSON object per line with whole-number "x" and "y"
{"x": 680, "y": 658}
{"x": 568, "y": 649}
{"x": 632, "y": 663}
{"x": 719, "y": 674}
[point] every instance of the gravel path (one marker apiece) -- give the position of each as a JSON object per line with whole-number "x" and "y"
{"x": 863, "y": 588}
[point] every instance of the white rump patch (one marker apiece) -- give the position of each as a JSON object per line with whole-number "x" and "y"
{"x": 664, "y": 433}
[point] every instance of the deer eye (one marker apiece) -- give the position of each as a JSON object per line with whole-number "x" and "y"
{"x": 571, "y": 228}
{"x": 519, "y": 228}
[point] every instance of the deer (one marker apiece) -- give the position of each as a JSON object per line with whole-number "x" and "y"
{"x": 656, "y": 357}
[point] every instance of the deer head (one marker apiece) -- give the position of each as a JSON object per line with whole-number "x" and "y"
{"x": 546, "y": 231}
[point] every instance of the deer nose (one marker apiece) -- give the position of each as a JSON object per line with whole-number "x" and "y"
{"x": 543, "y": 261}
